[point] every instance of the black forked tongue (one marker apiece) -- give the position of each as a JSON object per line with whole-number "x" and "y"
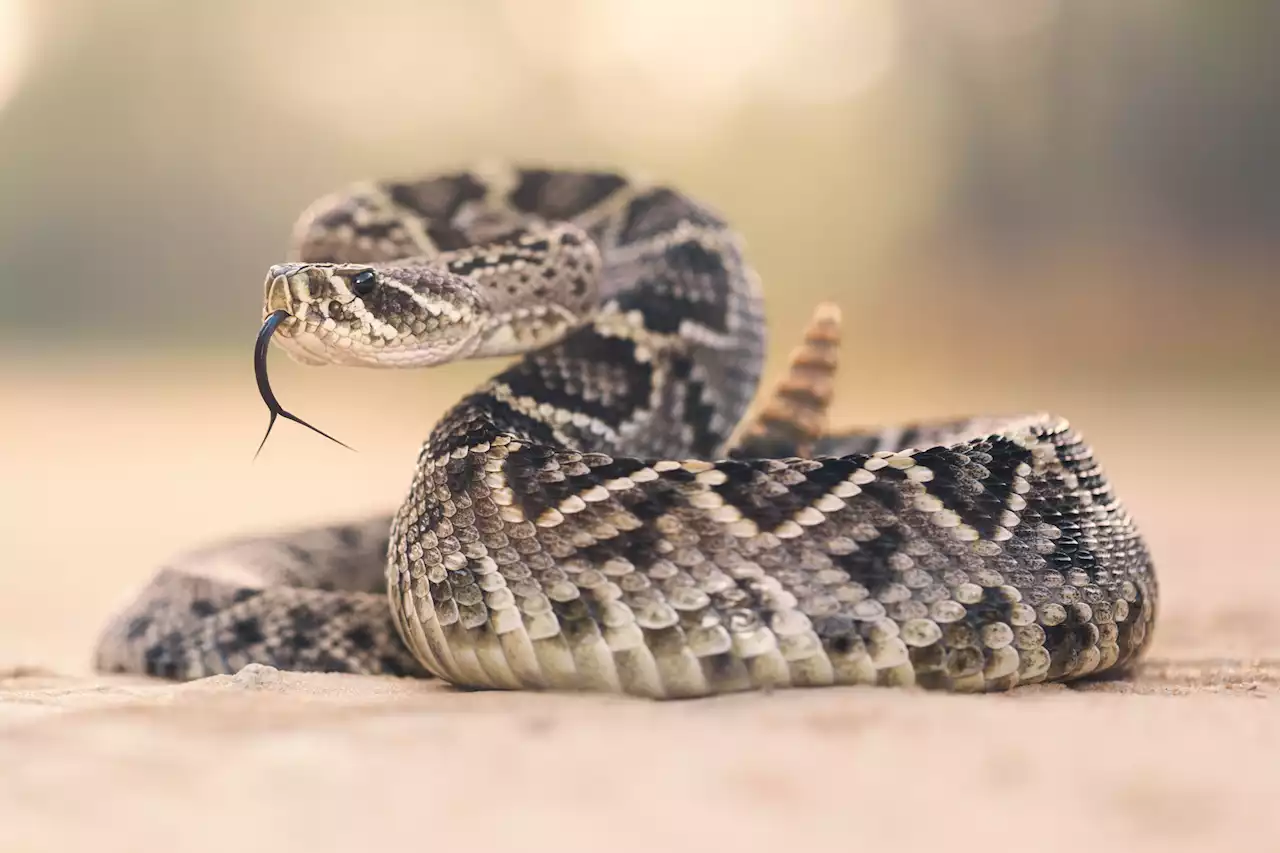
{"x": 264, "y": 386}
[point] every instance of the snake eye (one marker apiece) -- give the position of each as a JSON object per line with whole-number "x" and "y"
{"x": 363, "y": 282}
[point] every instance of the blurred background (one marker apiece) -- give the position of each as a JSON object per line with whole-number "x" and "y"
{"x": 1020, "y": 204}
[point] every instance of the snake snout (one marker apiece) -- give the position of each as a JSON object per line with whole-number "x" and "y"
{"x": 278, "y": 298}
{"x": 286, "y": 286}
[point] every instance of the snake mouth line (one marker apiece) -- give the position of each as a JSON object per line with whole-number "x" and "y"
{"x": 273, "y": 321}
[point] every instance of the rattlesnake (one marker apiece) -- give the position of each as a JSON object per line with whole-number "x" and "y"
{"x": 586, "y": 520}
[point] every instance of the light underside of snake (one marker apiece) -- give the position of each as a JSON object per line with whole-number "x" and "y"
{"x": 587, "y": 519}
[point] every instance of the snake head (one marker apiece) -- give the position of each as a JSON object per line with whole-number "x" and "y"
{"x": 391, "y": 315}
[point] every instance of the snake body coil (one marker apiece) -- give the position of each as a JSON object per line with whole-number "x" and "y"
{"x": 585, "y": 521}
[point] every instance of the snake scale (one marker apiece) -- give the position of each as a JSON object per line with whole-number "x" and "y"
{"x": 601, "y": 516}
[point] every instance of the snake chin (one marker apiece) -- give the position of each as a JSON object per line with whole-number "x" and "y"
{"x": 302, "y": 348}
{"x": 316, "y": 346}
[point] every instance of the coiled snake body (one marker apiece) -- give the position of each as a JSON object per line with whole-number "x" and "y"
{"x": 585, "y": 520}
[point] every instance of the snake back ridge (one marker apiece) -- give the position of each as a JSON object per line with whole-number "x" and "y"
{"x": 597, "y": 516}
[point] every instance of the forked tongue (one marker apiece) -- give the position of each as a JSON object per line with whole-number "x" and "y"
{"x": 274, "y": 319}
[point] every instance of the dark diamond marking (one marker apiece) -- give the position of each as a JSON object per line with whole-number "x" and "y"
{"x": 560, "y": 195}
{"x": 203, "y": 607}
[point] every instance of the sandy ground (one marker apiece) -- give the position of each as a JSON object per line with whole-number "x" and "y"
{"x": 108, "y": 472}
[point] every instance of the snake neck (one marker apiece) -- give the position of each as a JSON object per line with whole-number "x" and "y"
{"x": 665, "y": 368}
